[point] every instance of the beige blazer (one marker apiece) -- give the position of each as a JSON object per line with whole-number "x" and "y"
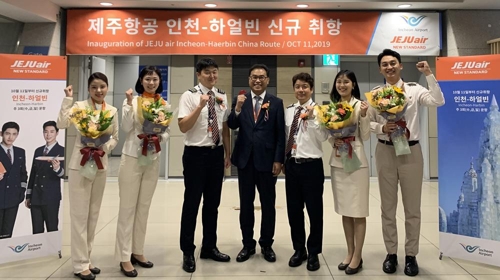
{"x": 362, "y": 134}
{"x": 132, "y": 126}
{"x": 63, "y": 122}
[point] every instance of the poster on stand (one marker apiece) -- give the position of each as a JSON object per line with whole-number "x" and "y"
{"x": 469, "y": 158}
{"x": 32, "y": 156}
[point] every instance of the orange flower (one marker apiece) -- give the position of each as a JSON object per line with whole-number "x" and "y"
{"x": 265, "y": 106}
{"x": 341, "y": 111}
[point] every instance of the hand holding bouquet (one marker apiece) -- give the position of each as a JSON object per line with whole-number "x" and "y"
{"x": 391, "y": 103}
{"x": 337, "y": 119}
{"x": 155, "y": 116}
{"x": 93, "y": 126}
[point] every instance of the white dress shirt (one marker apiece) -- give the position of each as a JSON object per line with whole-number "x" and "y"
{"x": 262, "y": 96}
{"x": 11, "y": 151}
{"x": 309, "y": 133}
{"x": 133, "y": 127}
{"x": 417, "y": 95}
{"x": 198, "y": 134}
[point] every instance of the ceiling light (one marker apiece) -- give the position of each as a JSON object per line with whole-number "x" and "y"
{"x": 404, "y": 6}
{"x": 210, "y": 5}
{"x": 106, "y": 4}
{"x": 302, "y": 6}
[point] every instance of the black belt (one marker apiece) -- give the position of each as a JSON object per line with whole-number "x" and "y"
{"x": 303, "y": 160}
{"x": 410, "y": 143}
{"x": 203, "y": 147}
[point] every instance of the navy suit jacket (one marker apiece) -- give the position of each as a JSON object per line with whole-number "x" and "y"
{"x": 264, "y": 139}
{"x": 44, "y": 185}
{"x": 14, "y": 182}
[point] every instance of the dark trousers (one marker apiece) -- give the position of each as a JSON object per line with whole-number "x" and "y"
{"x": 248, "y": 178}
{"x": 203, "y": 174}
{"x": 47, "y": 215}
{"x": 7, "y": 221}
{"x": 304, "y": 185}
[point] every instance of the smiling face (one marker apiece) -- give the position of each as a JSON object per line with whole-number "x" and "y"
{"x": 344, "y": 87}
{"x": 151, "y": 82}
{"x": 258, "y": 80}
{"x": 208, "y": 76}
{"x": 98, "y": 90}
{"x": 390, "y": 68}
{"x": 50, "y": 135}
{"x": 303, "y": 91}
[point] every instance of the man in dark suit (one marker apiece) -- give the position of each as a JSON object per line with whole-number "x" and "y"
{"x": 12, "y": 183}
{"x": 43, "y": 196}
{"x": 259, "y": 155}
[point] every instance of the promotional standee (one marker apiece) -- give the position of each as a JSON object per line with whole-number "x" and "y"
{"x": 31, "y": 95}
{"x": 469, "y": 168}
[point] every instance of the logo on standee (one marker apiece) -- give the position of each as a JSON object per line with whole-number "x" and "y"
{"x": 18, "y": 248}
{"x": 413, "y": 21}
{"x": 470, "y": 249}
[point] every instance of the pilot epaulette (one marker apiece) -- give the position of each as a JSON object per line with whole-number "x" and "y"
{"x": 221, "y": 91}
{"x": 193, "y": 90}
{"x": 290, "y": 106}
{"x": 412, "y": 84}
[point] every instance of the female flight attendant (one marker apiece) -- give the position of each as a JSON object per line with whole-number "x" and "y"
{"x": 351, "y": 189}
{"x": 137, "y": 181}
{"x": 85, "y": 195}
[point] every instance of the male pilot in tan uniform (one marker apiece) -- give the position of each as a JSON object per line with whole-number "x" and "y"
{"x": 407, "y": 169}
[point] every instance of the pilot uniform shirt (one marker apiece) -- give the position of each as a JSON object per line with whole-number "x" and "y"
{"x": 310, "y": 134}
{"x": 43, "y": 176}
{"x": 14, "y": 183}
{"x": 417, "y": 95}
{"x": 198, "y": 134}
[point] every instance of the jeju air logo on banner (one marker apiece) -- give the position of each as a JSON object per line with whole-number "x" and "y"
{"x": 408, "y": 33}
{"x": 469, "y": 207}
{"x": 32, "y": 67}
{"x": 230, "y": 32}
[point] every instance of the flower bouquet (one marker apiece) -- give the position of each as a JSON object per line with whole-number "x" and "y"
{"x": 155, "y": 116}
{"x": 390, "y": 102}
{"x": 93, "y": 126}
{"x": 337, "y": 119}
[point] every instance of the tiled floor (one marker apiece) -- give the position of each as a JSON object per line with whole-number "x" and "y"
{"x": 162, "y": 243}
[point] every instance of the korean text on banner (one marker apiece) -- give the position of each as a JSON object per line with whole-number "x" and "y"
{"x": 32, "y": 90}
{"x": 469, "y": 177}
{"x": 215, "y": 32}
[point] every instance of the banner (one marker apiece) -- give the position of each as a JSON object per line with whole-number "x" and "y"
{"x": 32, "y": 92}
{"x": 469, "y": 158}
{"x": 133, "y": 32}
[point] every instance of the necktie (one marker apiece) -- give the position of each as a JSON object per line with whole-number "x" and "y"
{"x": 9, "y": 155}
{"x": 293, "y": 130}
{"x": 256, "y": 108}
{"x": 212, "y": 118}
{"x": 46, "y": 151}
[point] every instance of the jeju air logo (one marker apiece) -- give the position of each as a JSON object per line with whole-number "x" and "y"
{"x": 18, "y": 248}
{"x": 470, "y": 249}
{"x": 413, "y": 21}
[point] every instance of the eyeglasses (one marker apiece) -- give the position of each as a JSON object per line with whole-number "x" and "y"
{"x": 260, "y": 78}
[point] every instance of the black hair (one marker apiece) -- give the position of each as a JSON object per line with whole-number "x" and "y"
{"x": 50, "y": 123}
{"x": 8, "y": 125}
{"x": 335, "y": 95}
{"x": 306, "y": 77}
{"x": 97, "y": 76}
{"x": 388, "y": 52}
{"x": 148, "y": 70}
{"x": 205, "y": 63}
{"x": 259, "y": 66}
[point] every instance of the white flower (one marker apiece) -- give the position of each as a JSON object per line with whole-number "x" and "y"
{"x": 94, "y": 119}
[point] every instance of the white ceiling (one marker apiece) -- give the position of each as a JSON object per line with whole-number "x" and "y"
{"x": 43, "y": 10}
